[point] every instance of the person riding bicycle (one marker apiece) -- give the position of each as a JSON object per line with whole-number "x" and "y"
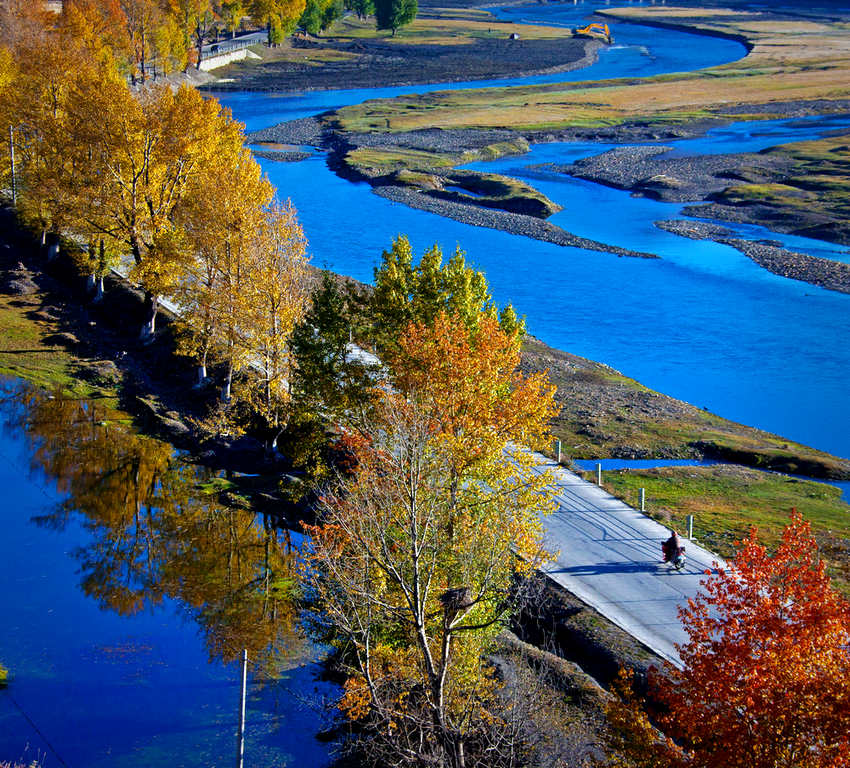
{"x": 671, "y": 547}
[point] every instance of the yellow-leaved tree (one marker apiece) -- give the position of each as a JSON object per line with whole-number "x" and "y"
{"x": 415, "y": 557}
{"x": 147, "y": 154}
{"x": 276, "y": 301}
{"x": 222, "y": 211}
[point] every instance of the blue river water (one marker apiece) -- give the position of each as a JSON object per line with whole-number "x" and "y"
{"x": 702, "y": 323}
{"x": 113, "y": 667}
{"x": 118, "y": 643}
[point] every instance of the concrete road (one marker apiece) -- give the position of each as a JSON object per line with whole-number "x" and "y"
{"x": 609, "y": 556}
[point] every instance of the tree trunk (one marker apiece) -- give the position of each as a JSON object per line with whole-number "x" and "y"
{"x": 52, "y": 247}
{"x": 91, "y": 283}
{"x": 101, "y": 269}
{"x": 202, "y": 369}
{"x": 228, "y": 381}
{"x": 151, "y": 306}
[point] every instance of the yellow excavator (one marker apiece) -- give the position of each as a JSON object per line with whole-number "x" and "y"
{"x": 595, "y": 30}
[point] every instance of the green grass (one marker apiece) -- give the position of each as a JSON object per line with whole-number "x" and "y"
{"x": 380, "y": 161}
{"x": 4, "y": 676}
{"x": 726, "y": 500}
{"x": 27, "y": 353}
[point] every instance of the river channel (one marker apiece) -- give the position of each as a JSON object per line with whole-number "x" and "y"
{"x": 702, "y": 323}
{"x": 127, "y": 591}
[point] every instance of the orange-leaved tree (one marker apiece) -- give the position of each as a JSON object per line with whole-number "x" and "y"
{"x": 469, "y": 382}
{"x": 765, "y": 681}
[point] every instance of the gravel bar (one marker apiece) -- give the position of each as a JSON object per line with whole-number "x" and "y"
{"x": 515, "y": 223}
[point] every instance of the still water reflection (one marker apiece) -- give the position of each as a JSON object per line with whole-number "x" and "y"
{"x": 104, "y": 673}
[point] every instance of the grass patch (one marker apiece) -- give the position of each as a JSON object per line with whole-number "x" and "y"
{"x": 382, "y": 161}
{"x": 788, "y": 61}
{"x": 4, "y": 676}
{"x": 493, "y": 190}
{"x": 445, "y": 27}
{"x": 27, "y": 352}
{"x": 379, "y": 161}
{"x": 726, "y": 500}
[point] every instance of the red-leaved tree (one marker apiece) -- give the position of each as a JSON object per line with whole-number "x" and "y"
{"x": 766, "y": 674}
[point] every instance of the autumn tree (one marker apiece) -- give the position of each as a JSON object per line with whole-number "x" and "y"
{"x": 147, "y": 154}
{"x": 412, "y": 586}
{"x": 143, "y": 20}
{"x": 231, "y": 12}
{"x": 224, "y": 207}
{"x": 195, "y": 19}
{"x": 469, "y": 383}
{"x": 405, "y": 293}
{"x": 765, "y": 678}
{"x": 283, "y": 14}
{"x": 99, "y": 26}
{"x": 276, "y": 299}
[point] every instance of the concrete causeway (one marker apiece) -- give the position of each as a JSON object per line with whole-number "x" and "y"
{"x": 609, "y": 556}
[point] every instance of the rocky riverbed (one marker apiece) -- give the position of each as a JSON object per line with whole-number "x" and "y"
{"x": 316, "y": 132}
{"x": 651, "y": 171}
{"x": 826, "y": 273}
{"x": 483, "y": 52}
{"x": 515, "y": 223}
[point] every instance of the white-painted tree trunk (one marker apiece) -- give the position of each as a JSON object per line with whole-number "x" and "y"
{"x": 149, "y": 327}
{"x": 98, "y": 291}
{"x": 52, "y": 248}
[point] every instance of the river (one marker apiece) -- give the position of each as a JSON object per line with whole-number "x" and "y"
{"x": 702, "y": 323}
{"x": 127, "y": 593}
{"x": 127, "y": 590}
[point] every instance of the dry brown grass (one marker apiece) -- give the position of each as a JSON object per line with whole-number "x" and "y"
{"x": 789, "y": 61}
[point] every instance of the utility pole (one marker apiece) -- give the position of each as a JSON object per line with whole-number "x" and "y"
{"x": 12, "y": 163}
{"x": 240, "y": 738}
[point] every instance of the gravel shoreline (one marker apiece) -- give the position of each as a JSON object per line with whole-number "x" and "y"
{"x": 650, "y": 171}
{"x": 514, "y": 223}
{"x": 825, "y": 273}
{"x": 378, "y": 64}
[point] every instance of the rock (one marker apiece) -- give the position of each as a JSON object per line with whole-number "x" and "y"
{"x": 21, "y": 287}
{"x": 103, "y": 373}
{"x": 173, "y": 427}
{"x": 63, "y": 339}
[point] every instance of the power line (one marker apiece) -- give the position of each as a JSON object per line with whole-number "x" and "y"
{"x": 36, "y": 728}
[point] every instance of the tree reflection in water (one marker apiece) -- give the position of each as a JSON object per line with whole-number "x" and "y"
{"x": 156, "y": 534}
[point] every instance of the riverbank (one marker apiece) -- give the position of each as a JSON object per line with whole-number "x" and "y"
{"x": 54, "y": 337}
{"x": 789, "y": 71}
{"x": 442, "y": 45}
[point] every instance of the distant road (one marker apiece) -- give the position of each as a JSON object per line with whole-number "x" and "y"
{"x": 610, "y": 557}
